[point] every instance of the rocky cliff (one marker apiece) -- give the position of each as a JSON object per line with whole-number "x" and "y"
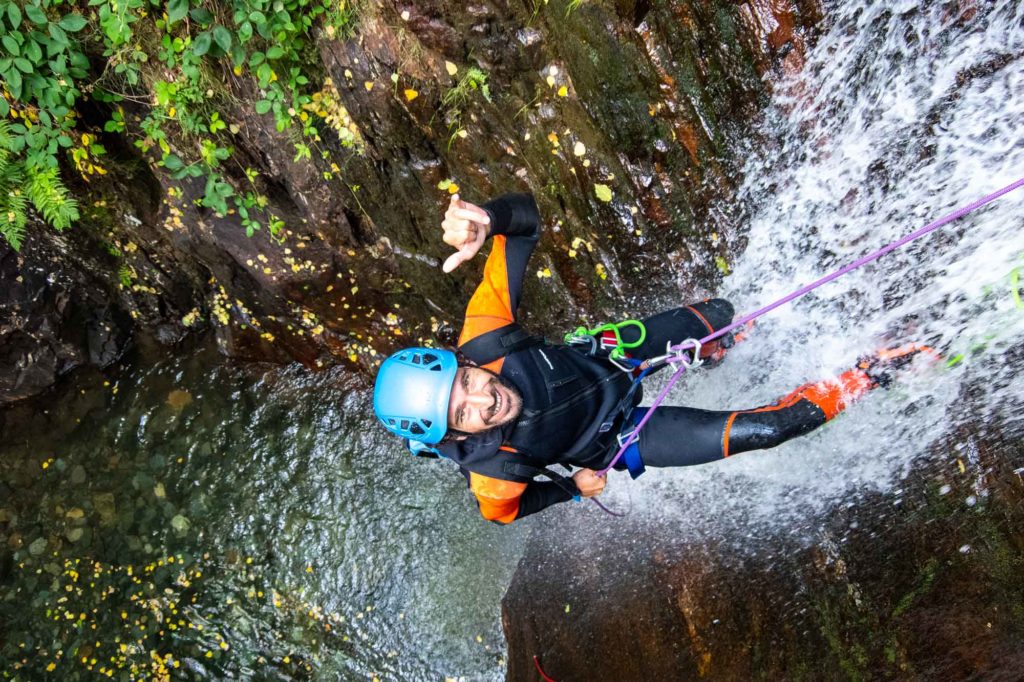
{"x": 617, "y": 115}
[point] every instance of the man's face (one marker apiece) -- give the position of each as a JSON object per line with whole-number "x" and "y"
{"x": 480, "y": 400}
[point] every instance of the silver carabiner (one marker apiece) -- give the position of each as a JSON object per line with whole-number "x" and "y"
{"x": 679, "y": 358}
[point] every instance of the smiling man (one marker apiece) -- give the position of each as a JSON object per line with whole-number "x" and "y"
{"x": 516, "y": 404}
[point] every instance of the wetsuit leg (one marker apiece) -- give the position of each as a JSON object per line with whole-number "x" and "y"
{"x": 678, "y": 324}
{"x": 683, "y": 436}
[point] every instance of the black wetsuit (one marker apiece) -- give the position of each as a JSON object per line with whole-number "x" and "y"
{"x": 572, "y": 402}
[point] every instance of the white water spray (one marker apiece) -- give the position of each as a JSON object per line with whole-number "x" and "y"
{"x": 901, "y": 115}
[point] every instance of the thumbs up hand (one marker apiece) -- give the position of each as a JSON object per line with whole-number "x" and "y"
{"x": 466, "y": 227}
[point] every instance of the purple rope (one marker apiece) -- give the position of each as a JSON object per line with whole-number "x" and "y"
{"x": 605, "y": 509}
{"x": 931, "y": 227}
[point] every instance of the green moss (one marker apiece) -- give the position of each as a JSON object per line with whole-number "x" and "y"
{"x": 924, "y": 585}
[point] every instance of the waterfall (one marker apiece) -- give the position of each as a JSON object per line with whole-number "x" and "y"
{"x": 902, "y": 113}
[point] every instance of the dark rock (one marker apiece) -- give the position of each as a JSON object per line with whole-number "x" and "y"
{"x": 653, "y": 90}
{"x": 920, "y": 593}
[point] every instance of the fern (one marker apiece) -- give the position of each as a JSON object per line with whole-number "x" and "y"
{"x": 50, "y": 197}
{"x": 6, "y": 141}
{"x": 12, "y": 219}
{"x": 12, "y": 197}
{"x": 44, "y": 189}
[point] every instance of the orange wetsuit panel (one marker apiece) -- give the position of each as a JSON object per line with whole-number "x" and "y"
{"x": 498, "y": 499}
{"x": 491, "y": 305}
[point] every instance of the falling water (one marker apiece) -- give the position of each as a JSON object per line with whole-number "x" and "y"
{"x": 903, "y": 113}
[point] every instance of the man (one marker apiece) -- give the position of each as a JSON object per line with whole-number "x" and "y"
{"x": 517, "y": 405}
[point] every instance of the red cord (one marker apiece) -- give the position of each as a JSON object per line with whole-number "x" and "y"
{"x": 536, "y": 662}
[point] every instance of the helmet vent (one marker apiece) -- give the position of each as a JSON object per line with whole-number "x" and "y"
{"x": 429, "y": 358}
{"x": 417, "y": 430}
{"x": 405, "y": 424}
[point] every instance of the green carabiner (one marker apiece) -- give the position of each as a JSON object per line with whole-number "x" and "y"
{"x": 619, "y": 352}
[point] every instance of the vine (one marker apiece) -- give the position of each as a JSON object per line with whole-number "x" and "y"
{"x": 170, "y": 58}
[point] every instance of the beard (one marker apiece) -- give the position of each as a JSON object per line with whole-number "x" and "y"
{"x": 505, "y": 414}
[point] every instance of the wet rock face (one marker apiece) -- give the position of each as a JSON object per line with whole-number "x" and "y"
{"x": 52, "y": 321}
{"x": 926, "y": 586}
{"x": 637, "y": 97}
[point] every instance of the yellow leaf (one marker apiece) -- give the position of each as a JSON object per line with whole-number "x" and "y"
{"x": 580, "y": 149}
{"x": 451, "y": 68}
{"x": 603, "y": 192}
{"x": 550, "y": 81}
{"x": 368, "y": 85}
{"x": 411, "y": 94}
{"x": 563, "y": 91}
{"x": 453, "y": 188}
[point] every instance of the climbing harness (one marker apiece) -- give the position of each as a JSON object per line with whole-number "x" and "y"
{"x": 676, "y": 355}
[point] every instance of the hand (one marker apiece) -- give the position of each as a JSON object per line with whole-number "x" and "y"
{"x": 466, "y": 227}
{"x": 588, "y": 482}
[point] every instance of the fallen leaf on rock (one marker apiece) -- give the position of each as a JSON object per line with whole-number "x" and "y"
{"x": 179, "y": 399}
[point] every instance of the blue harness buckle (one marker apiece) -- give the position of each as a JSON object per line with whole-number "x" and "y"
{"x": 631, "y": 457}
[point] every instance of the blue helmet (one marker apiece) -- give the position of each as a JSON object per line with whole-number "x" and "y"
{"x": 411, "y": 394}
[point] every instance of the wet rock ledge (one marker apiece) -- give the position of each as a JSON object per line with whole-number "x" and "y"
{"x": 642, "y": 98}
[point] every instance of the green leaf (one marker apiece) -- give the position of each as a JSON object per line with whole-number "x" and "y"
{"x": 222, "y": 37}
{"x": 263, "y": 73}
{"x": 11, "y": 45}
{"x": 24, "y": 65}
{"x": 58, "y": 34}
{"x": 72, "y": 22}
{"x": 257, "y": 18}
{"x": 14, "y": 14}
{"x": 14, "y": 82}
{"x": 262, "y": 106}
{"x": 5, "y": 108}
{"x": 202, "y": 44}
{"x": 33, "y": 51}
{"x": 173, "y": 162}
{"x": 245, "y": 32}
{"x": 37, "y": 15}
{"x": 603, "y": 192}
{"x": 176, "y": 11}
{"x": 201, "y": 15}
{"x": 276, "y": 52}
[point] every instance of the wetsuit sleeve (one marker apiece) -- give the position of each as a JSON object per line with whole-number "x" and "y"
{"x": 506, "y": 501}
{"x": 515, "y": 228}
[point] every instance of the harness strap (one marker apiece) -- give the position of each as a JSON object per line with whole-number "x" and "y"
{"x": 500, "y": 342}
{"x": 528, "y": 471}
